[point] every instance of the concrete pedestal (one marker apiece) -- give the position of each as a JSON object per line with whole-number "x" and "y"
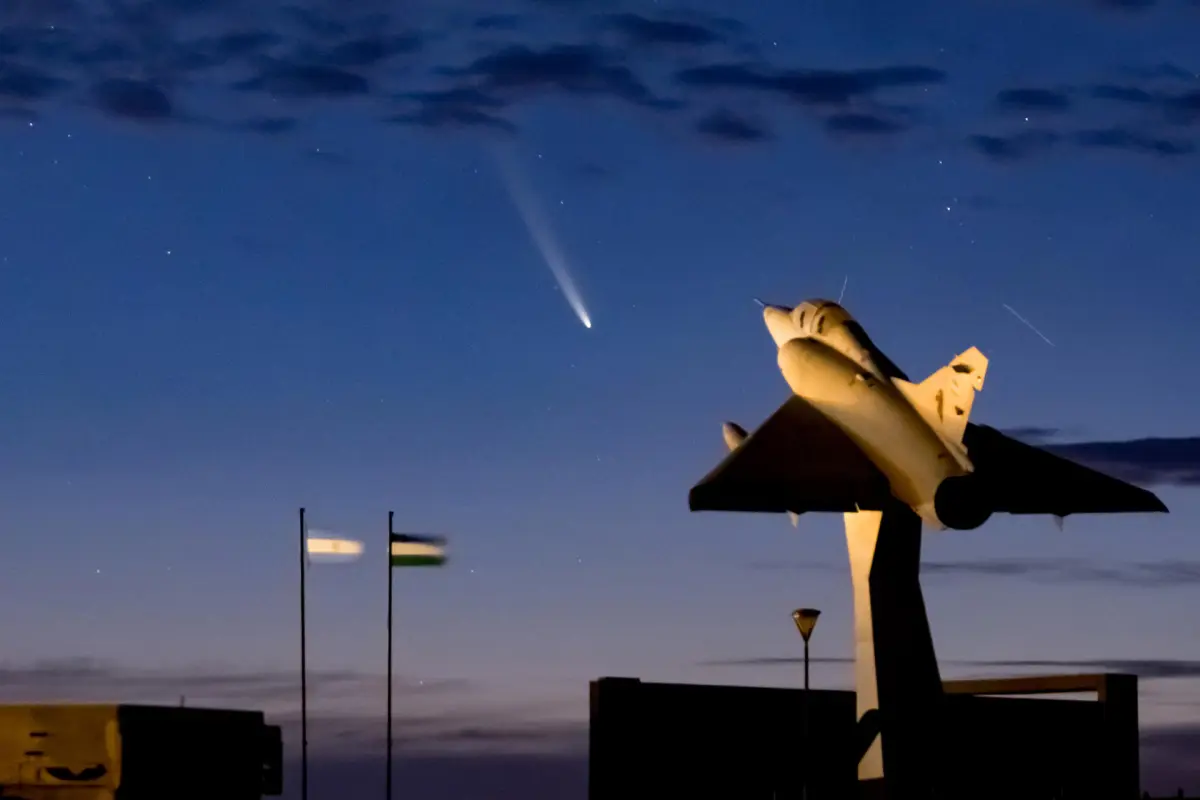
{"x": 896, "y": 671}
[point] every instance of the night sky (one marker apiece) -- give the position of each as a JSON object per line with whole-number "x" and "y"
{"x": 256, "y": 257}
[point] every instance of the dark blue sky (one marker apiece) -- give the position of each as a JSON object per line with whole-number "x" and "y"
{"x": 255, "y": 257}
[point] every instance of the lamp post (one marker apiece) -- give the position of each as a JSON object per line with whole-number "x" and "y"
{"x": 303, "y": 663}
{"x": 806, "y": 621}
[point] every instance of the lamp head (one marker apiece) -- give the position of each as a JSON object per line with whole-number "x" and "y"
{"x": 806, "y": 620}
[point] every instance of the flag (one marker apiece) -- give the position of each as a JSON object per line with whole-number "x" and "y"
{"x": 330, "y": 547}
{"x": 417, "y": 551}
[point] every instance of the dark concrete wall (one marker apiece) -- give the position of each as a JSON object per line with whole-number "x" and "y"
{"x": 681, "y": 740}
{"x": 1006, "y": 747}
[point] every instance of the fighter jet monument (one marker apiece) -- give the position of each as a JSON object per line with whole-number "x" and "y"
{"x": 857, "y": 437}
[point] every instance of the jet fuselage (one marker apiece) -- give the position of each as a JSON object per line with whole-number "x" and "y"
{"x": 828, "y": 360}
{"x": 877, "y": 417}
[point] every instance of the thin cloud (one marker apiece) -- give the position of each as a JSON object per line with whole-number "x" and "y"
{"x": 270, "y": 126}
{"x": 1124, "y": 5}
{"x": 1132, "y": 142}
{"x": 305, "y": 81}
{"x": 1027, "y": 99}
{"x": 453, "y": 117}
{"x": 590, "y": 170}
{"x": 1184, "y": 108}
{"x": 18, "y": 113}
{"x": 463, "y": 107}
{"x": 1131, "y": 95}
{"x": 324, "y": 157}
{"x": 498, "y": 22}
{"x": 27, "y": 83}
{"x": 368, "y": 51}
{"x": 90, "y": 679}
{"x": 1152, "y": 575}
{"x": 725, "y": 126}
{"x": 1163, "y": 574}
{"x": 516, "y": 71}
{"x": 1013, "y": 147}
{"x": 1149, "y": 669}
{"x": 809, "y": 87}
{"x": 862, "y": 124}
{"x": 639, "y": 30}
{"x": 1158, "y": 461}
{"x": 770, "y": 661}
{"x": 1177, "y": 103}
{"x": 1163, "y": 70}
{"x": 131, "y": 99}
{"x": 478, "y": 730}
{"x": 1032, "y": 434}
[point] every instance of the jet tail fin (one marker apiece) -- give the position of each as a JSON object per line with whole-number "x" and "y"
{"x": 945, "y": 398}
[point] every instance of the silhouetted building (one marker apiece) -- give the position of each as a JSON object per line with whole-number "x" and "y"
{"x": 681, "y": 740}
{"x": 127, "y": 752}
{"x": 1002, "y": 744}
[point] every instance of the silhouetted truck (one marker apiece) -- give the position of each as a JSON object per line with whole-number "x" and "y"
{"x": 124, "y": 752}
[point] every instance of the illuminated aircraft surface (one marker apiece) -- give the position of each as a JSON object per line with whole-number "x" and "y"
{"x": 856, "y": 434}
{"x": 892, "y": 456}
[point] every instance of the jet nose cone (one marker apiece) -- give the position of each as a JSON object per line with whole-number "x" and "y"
{"x": 779, "y": 324}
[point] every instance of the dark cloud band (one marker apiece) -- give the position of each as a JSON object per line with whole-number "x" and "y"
{"x": 1149, "y": 669}
{"x": 152, "y": 62}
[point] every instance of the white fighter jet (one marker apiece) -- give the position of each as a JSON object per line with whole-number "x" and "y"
{"x": 856, "y": 435}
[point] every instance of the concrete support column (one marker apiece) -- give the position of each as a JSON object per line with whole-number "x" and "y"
{"x": 896, "y": 669}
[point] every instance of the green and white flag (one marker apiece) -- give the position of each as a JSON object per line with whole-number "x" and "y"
{"x": 409, "y": 550}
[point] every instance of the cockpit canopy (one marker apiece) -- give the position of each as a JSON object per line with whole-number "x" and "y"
{"x": 828, "y": 322}
{"x": 817, "y": 317}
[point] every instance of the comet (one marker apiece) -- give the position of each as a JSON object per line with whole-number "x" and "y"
{"x": 541, "y": 233}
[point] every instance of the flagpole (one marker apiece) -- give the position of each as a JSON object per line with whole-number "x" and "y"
{"x": 303, "y": 668}
{"x": 388, "y": 780}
